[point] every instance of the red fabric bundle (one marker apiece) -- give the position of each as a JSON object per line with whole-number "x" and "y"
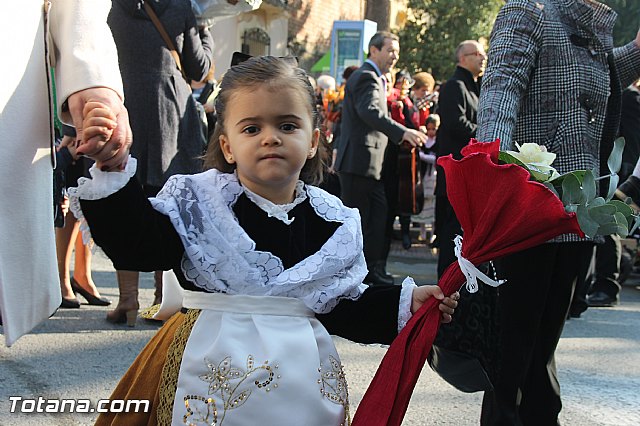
{"x": 501, "y": 212}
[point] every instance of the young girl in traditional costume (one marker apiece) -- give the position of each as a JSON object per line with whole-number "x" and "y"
{"x": 267, "y": 267}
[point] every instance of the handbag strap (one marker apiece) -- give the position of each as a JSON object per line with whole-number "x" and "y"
{"x": 166, "y": 38}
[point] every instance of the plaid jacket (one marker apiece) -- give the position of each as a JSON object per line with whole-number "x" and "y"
{"x": 553, "y": 78}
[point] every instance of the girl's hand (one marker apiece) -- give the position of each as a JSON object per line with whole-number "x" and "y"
{"x": 99, "y": 122}
{"x": 97, "y": 127}
{"x": 447, "y": 306}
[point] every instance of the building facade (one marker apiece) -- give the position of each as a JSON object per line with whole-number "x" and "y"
{"x": 289, "y": 27}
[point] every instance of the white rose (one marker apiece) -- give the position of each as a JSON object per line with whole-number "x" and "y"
{"x": 537, "y": 159}
{"x": 532, "y": 153}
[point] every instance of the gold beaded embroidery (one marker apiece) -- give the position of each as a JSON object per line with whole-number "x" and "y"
{"x": 170, "y": 370}
{"x": 333, "y": 386}
{"x": 149, "y": 312}
{"x": 225, "y": 381}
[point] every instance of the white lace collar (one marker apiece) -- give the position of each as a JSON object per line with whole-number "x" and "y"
{"x": 221, "y": 257}
{"x": 278, "y": 211}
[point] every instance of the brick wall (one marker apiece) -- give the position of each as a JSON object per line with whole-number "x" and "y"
{"x": 310, "y": 23}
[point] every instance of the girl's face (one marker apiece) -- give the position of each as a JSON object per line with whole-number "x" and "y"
{"x": 269, "y": 136}
{"x": 431, "y": 130}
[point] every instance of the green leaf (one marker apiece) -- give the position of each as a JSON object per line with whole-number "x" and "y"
{"x": 551, "y": 188}
{"x": 613, "y": 185}
{"x": 618, "y": 225}
{"x": 608, "y": 229}
{"x": 571, "y": 190}
{"x": 622, "y": 207}
{"x": 587, "y": 224}
{"x": 589, "y": 186}
{"x": 507, "y": 158}
{"x": 615, "y": 158}
{"x": 579, "y": 174}
{"x": 598, "y": 201}
{"x": 602, "y": 214}
{"x": 539, "y": 175}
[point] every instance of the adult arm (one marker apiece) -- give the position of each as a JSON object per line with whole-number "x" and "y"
{"x": 86, "y": 63}
{"x": 630, "y": 130}
{"x": 627, "y": 60}
{"x": 367, "y": 100}
{"x": 515, "y": 42}
{"x": 197, "y": 50}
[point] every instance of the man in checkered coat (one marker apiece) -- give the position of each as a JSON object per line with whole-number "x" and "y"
{"x": 553, "y": 78}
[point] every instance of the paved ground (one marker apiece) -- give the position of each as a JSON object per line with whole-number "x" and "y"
{"x": 76, "y": 354}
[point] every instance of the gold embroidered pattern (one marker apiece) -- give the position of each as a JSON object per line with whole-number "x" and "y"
{"x": 169, "y": 380}
{"x": 333, "y": 386}
{"x": 149, "y": 312}
{"x": 225, "y": 383}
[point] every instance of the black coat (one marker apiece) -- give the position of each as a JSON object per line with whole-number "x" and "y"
{"x": 630, "y": 130}
{"x": 167, "y": 132}
{"x": 458, "y": 109}
{"x": 366, "y": 125}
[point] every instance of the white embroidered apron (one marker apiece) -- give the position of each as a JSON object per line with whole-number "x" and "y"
{"x": 258, "y": 360}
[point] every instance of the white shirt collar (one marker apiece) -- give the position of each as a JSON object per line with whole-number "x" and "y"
{"x": 279, "y": 211}
{"x": 375, "y": 67}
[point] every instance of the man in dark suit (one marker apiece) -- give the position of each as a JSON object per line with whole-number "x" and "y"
{"x": 458, "y": 108}
{"x": 365, "y": 130}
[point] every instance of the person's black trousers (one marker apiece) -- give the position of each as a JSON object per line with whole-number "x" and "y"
{"x": 584, "y": 281}
{"x": 608, "y": 266}
{"x": 367, "y": 195}
{"x": 533, "y": 305}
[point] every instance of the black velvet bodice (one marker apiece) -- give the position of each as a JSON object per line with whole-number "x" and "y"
{"x": 291, "y": 243}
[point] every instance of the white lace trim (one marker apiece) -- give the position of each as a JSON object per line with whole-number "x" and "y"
{"x": 221, "y": 257}
{"x": 278, "y": 211}
{"x": 406, "y": 299}
{"x": 101, "y": 185}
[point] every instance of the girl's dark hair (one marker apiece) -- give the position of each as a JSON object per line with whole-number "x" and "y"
{"x": 433, "y": 119}
{"x": 268, "y": 71}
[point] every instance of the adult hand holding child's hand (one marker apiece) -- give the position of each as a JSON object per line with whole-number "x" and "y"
{"x": 110, "y": 138}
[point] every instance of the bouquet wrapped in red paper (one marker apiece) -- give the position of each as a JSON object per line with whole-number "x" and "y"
{"x": 494, "y": 202}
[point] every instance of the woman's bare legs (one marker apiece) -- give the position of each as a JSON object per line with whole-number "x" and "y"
{"x": 64, "y": 251}
{"x": 82, "y": 265}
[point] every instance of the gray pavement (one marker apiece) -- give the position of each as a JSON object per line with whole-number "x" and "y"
{"x": 77, "y": 354}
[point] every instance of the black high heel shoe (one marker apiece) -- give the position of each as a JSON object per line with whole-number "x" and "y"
{"x": 91, "y": 299}
{"x": 69, "y": 303}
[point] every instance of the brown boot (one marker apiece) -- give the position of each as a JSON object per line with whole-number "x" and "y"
{"x": 127, "y": 309}
{"x": 157, "y": 295}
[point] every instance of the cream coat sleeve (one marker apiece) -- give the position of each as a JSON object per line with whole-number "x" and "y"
{"x": 82, "y": 49}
